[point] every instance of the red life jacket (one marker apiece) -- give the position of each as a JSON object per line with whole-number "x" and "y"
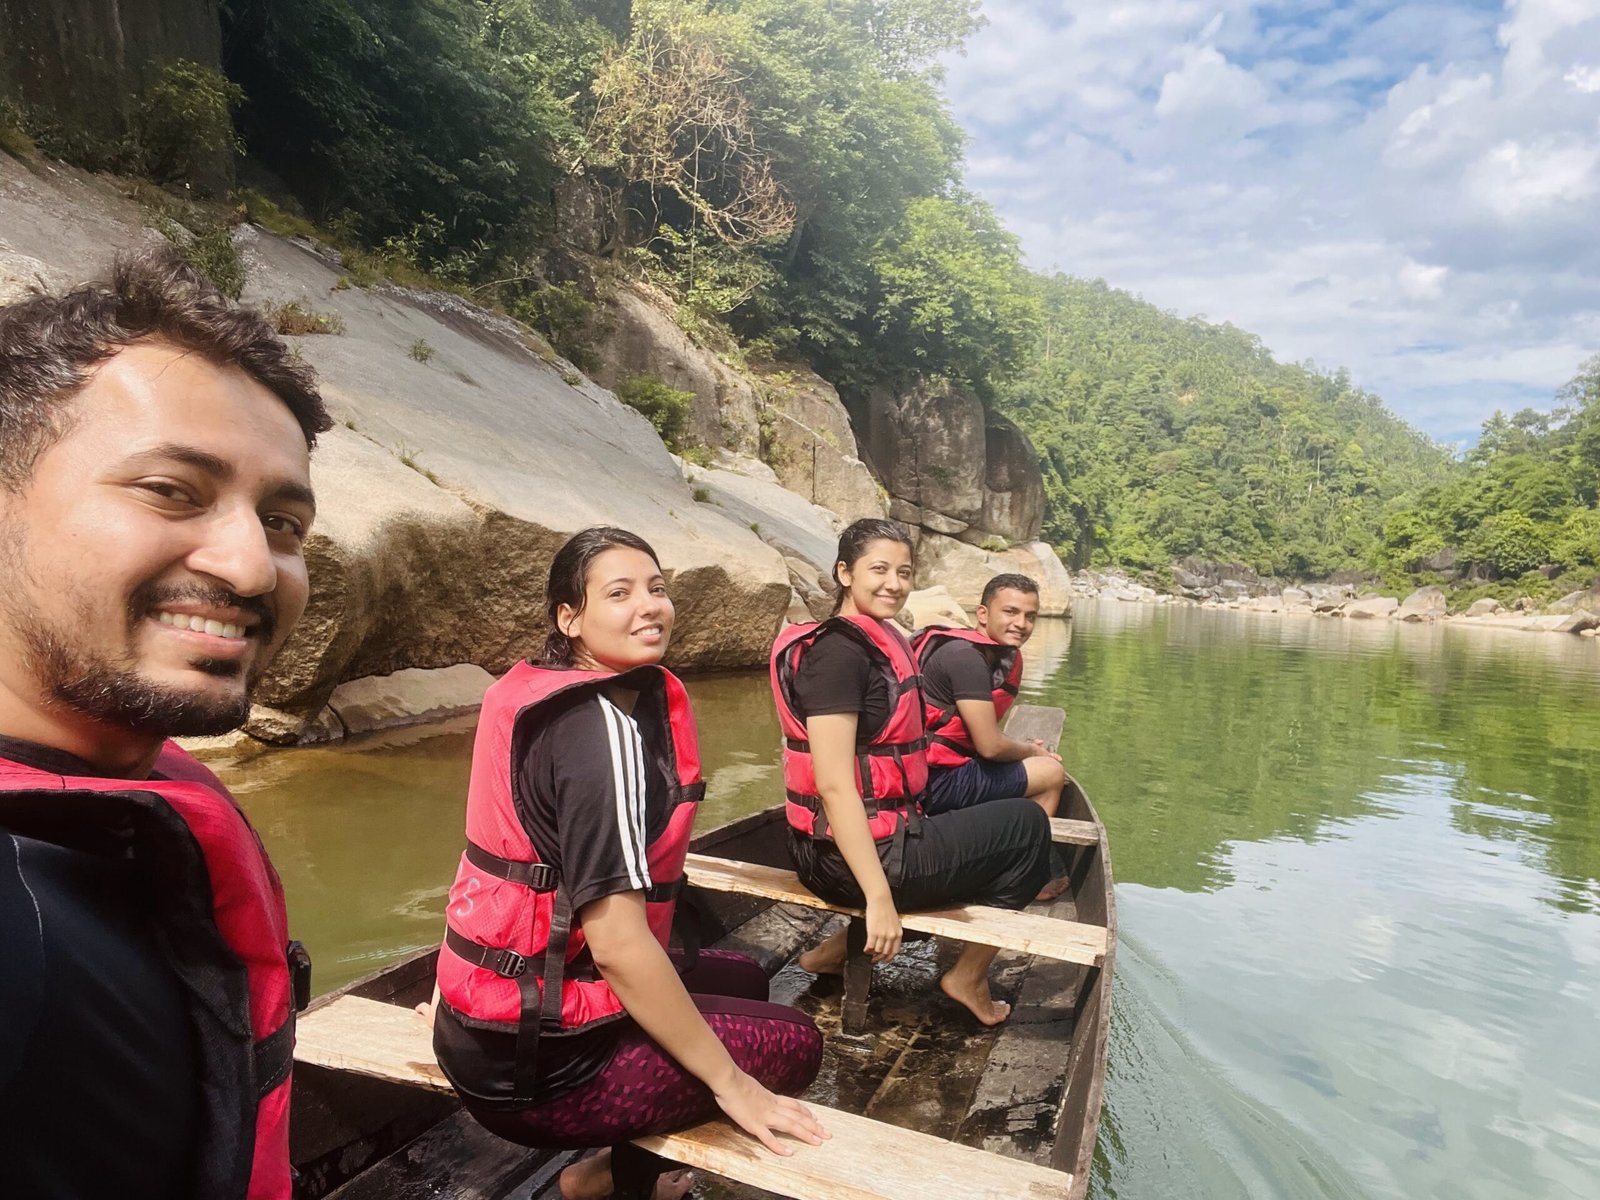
{"x": 244, "y": 978}
{"x": 949, "y": 742}
{"x": 509, "y": 935}
{"x": 891, "y": 764}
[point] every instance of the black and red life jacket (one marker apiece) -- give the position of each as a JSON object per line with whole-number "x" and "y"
{"x": 510, "y": 944}
{"x": 891, "y": 763}
{"x": 949, "y": 741}
{"x": 220, "y": 910}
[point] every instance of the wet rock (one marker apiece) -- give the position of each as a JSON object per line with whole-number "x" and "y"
{"x": 1296, "y": 598}
{"x": 1371, "y": 607}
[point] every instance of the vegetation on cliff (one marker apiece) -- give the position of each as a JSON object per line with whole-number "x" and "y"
{"x": 788, "y": 171}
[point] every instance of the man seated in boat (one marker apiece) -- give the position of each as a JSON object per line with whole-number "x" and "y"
{"x": 155, "y": 495}
{"x": 969, "y": 682}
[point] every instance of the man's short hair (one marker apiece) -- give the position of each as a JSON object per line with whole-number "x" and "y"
{"x": 50, "y": 344}
{"x": 1020, "y": 583}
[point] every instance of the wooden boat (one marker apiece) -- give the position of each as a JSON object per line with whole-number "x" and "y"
{"x": 1030, "y": 1089}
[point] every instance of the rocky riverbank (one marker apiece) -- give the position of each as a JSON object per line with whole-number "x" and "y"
{"x": 1577, "y": 613}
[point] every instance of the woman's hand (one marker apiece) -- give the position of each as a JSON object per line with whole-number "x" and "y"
{"x": 883, "y": 930}
{"x": 764, "y": 1114}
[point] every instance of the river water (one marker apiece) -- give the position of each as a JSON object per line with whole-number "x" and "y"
{"x": 1358, "y": 887}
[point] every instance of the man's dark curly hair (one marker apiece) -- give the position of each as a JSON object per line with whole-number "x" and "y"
{"x": 50, "y": 345}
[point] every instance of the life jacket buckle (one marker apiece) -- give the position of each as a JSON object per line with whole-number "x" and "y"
{"x": 509, "y": 964}
{"x": 299, "y": 975}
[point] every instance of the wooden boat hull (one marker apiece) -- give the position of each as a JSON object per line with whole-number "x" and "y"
{"x": 995, "y": 1089}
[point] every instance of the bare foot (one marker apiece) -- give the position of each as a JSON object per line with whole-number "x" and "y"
{"x": 425, "y": 1011}
{"x": 826, "y": 957}
{"x": 1052, "y": 890}
{"x": 590, "y": 1179}
{"x": 975, "y": 998}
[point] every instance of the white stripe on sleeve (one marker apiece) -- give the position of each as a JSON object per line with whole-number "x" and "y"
{"x": 627, "y": 777}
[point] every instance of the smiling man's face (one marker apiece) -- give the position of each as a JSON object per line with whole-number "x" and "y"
{"x": 153, "y": 563}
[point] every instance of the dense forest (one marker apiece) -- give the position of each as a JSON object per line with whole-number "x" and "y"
{"x": 789, "y": 173}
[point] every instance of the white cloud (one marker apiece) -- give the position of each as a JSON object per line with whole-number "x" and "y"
{"x": 1406, "y": 188}
{"x": 1422, "y": 282}
{"x": 1208, "y": 92}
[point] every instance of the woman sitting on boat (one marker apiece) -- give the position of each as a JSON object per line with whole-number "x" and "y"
{"x": 854, "y": 766}
{"x": 563, "y": 1019}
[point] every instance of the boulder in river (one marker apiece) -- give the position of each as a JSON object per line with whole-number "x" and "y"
{"x": 1424, "y": 604}
{"x": 1369, "y": 607}
{"x": 1483, "y": 607}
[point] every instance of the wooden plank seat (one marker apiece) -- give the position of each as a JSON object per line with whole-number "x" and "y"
{"x": 864, "y": 1159}
{"x": 1022, "y": 932}
{"x": 1074, "y": 833}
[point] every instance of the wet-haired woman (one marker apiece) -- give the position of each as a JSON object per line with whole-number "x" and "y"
{"x": 855, "y": 770}
{"x": 563, "y": 1019}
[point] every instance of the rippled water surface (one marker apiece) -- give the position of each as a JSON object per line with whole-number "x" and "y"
{"x": 1358, "y": 879}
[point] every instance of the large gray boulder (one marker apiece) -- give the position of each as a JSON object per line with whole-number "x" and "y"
{"x": 1424, "y": 604}
{"x": 808, "y": 440}
{"x": 1483, "y": 607}
{"x": 1369, "y": 607}
{"x": 963, "y": 570}
{"x": 1013, "y": 489}
{"x": 633, "y": 333}
{"x": 929, "y": 445}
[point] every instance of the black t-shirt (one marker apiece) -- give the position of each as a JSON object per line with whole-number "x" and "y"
{"x": 839, "y": 673}
{"x": 960, "y": 670}
{"x": 98, "y": 1066}
{"x": 593, "y": 793}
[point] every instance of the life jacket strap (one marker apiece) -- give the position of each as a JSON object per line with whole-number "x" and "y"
{"x": 872, "y": 749}
{"x": 503, "y": 961}
{"x": 273, "y": 1058}
{"x": 541, "y": 877}
{"x": 661, "y": 893}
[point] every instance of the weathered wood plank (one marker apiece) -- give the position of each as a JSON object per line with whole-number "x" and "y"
{"x": 1036, "y": 723}
{"x": 369, "y": 1037}
{"x": 1025, "y": 933}
{"x": 864, "y": 1159}
{"x": 1076, "y": 833}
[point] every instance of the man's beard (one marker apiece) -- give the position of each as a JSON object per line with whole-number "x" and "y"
{"x": 112, "y": 693}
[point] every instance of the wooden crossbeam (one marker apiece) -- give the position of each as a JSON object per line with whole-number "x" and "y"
{"x": 1025, "y": 933}
{"x": 1075, "y": 833}
{"x": 863, "y": 1160}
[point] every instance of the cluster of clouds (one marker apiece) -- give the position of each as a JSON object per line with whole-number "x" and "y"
{"x": 1410, "y": 190}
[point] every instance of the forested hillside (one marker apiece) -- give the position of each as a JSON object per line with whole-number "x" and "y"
{"x": 788, "y": 173}
{"x": 1163, "y": 437}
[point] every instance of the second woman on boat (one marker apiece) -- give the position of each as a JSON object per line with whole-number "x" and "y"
{"x": 563, "y": 1020}
{"x": 855, "y": 767}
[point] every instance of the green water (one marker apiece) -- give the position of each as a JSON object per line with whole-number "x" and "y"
{"x": 1358, "y": 884}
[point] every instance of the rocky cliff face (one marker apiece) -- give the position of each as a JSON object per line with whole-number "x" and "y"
{"x": 88, "y": 61}
{"x": 461, "y": 461}
{"x": 951, "y": 466}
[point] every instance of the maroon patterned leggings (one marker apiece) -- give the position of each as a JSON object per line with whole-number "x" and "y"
{"x": 643, "y": 1090}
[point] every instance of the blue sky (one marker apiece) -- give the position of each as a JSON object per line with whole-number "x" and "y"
{"x": 1408, "y": 190}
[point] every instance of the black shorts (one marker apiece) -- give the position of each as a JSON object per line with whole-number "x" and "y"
{"x": 976, "y": 781}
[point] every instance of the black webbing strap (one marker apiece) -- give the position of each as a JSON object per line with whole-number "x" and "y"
{"x": 948, "y": 744}
{"x": 274, "y": 1056}
{"x": 543, "y": 1017}
{"x": 883, "y": 748}
{"x": 541, "y": 877}
{"x": 505, "y": 962}
{"x": 660, "y": 893}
